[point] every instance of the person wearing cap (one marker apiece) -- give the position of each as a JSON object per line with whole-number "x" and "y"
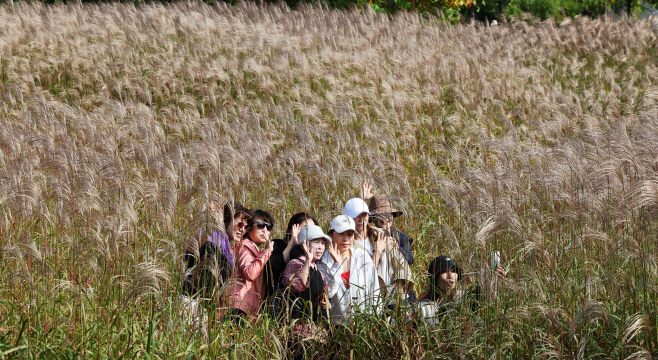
{"x": 382, "y": 215}
{"x": 247, "y": 288}
{"x": 308, "y": 287}
{"x": 394, "y": 273}
{"x": 351, "y": 274}
{"x": 444, "y": 274}
{"x": 281, "y": 255}
{"x": 366, "y": 237}
{"x": 443, "y": 293}
{"x": 401, "y": 256}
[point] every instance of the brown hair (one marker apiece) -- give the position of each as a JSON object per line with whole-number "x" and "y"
{"x": 233, "y": 209}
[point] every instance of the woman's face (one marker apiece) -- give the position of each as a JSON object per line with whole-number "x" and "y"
{"x": 317, "y": 247}
{"x": 260, "y": 231}
{"x": 360, "y": 221}
{"x": 384, "y": 221}
{"x": 238, "y": 227}
{"x": 447, "y": 281}
{"x": 344, "y": 240}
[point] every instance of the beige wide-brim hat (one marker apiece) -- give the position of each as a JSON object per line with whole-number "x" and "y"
{"x": 381, "y": 204}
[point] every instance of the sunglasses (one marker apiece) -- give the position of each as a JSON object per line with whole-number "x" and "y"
{"x": 240, "y": 224}
{"x": 262, "y": 225}
{"x": 384, "y": 217}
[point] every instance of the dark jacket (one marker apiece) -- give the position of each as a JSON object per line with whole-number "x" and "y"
{"x": 277, "y": 265}
{"x": 199, "y": 278}
{"x": 405, "y": 245}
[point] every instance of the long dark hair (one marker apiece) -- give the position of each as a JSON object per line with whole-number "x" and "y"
{"x": 434, "y": 292}
{"x": 296, "y": 220}
{"x": 231, "y": 211}
{"x": 296, "y": 252}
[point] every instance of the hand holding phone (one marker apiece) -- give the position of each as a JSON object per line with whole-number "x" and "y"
{"x": 495, "y": 260}
{"x": 495, "y": 265}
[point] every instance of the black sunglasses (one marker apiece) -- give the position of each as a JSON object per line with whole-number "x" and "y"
{"x": 262, "y": 225}
{"x": 383, "y": 217}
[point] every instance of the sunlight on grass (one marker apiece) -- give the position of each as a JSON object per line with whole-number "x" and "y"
{"x": 119, "y": 123}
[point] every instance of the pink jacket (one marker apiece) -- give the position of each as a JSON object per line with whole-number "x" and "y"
{"x": 247, "y": 287}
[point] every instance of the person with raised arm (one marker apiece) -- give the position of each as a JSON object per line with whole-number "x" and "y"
{"x": 394, "y": 274}
{"x": 365, "y": 237}
{"x": 350, "y": 272}
{"x": 281, "y": 255}
{"x": 398, "y": 253}
{"x": 383, "y": 215}
{"x": 308, "y": 288}
{"x": 247, "y": 288}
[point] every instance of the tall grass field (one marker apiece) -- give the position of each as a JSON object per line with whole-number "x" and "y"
{"x": 119, "y": 123}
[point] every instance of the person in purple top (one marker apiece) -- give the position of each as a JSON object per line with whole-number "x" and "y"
{"x": 210, "y": 259}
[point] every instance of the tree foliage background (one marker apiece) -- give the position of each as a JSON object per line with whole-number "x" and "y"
{"x": 483, "y": 10}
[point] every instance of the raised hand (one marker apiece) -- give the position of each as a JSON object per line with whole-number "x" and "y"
{"x": 294, "y": 239}
{"x": 335, "y": 254}
{"x": 270, "y": 246}
{"x": 307, "y": 251}
{"x": 380, "y": 243}
{"x": 365, "y": 191}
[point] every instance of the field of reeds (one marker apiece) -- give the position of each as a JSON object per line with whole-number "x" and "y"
{"x": 119, "y": 123}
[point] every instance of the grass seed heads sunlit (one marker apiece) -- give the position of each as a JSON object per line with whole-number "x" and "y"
{"x": 119, "y": 123}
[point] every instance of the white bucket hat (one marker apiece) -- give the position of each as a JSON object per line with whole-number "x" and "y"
{"x": 355, "y": 207}
{"x": 342, "y": 223}
{"x": 312, "y": 232}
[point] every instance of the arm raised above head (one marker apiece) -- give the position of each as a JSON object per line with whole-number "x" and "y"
{"x": 365, "y": 190}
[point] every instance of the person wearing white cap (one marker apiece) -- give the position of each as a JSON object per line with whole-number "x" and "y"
{"x": 351, "y": 275}
{"x": 307, "y": 286}
{"x": 366, "y": 238}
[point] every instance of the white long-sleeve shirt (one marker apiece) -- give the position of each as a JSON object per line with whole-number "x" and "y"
{"x": 383, "y": 263}
{"x": 363, "y": 293}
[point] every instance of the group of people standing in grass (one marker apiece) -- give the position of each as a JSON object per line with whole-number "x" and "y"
{"x": 362, "y": 264}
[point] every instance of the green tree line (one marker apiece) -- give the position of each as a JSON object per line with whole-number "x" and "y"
{"x": 458, "y": 10}
{"x": 558, "y": 9}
